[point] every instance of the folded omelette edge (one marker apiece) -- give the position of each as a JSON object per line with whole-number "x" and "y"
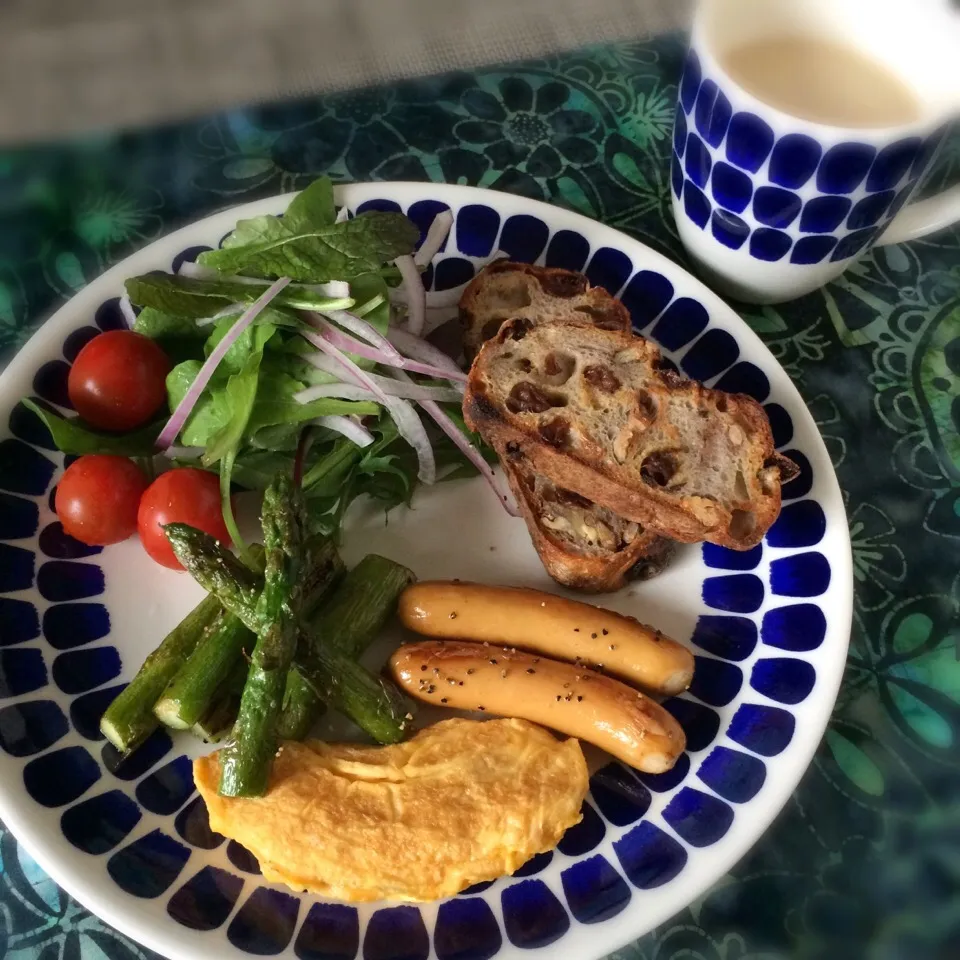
{"x": 461, "y": 802}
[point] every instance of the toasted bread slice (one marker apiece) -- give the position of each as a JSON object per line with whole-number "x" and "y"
{"x": 581, "y": 545}
{"x": 506, "y": 290}
{"x": 596, "y": 412}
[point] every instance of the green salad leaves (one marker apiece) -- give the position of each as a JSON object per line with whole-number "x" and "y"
{"x": 188, "y": 297}
{"x": 247, "y": 422}
{"x": 310, "y": 251}
{"x": 76, "y": 438}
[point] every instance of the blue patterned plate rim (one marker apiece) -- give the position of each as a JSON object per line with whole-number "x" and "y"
{"x": 771, "y": 632}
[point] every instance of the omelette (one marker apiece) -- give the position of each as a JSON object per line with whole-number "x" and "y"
{"x": 461, "y": 802}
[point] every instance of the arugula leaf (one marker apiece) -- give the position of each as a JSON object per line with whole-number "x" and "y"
{"x": 276, "y": 405}
{"x": 157, "y": 325}
{"x": 180, "y": 337}
{"x": 251, "y": 341}
{"x": 282, "y": 362}
{"x": 211, "y": 411}
{"x": 73, "y": 436}
{"x": 220, "y": 416}
{"x": 257, "y": 469}
{"x": 365, "y": 288}
{"x": 240, "y": 396}
{"x": 325, "y": 477}
{"x": 455, "y": 412}
{"x": 281, "y": 437}
{"x": 189, "y": 297}
{"x": 311, "y": 207}
{"x": 339, "y": 251}
{"x": 385, "y": 471}
{"x": 387, "y": 479}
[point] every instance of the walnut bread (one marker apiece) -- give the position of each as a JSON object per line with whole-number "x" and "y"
{"x": 507, "y": 290}
{"x": 581, "y": 545}
{"x": 597, "y": 412}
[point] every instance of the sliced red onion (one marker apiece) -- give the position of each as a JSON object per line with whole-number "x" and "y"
{"x": 335, "y": 289}
{"x": 328, "y": 365}
{"x": 361, "y": 328}
{"x": 340, "y": 391}
{"x": 416, "y": 295}
{"x": 183, "y": 453}
{"x": 350, "y": 344}
{"x": 434, "y": 298}
{"x": 433, "y": 241}
{"x": 363, "y": 309}
{"x": 351, "y": 371}
{"x": 126, "y": 308}
{"x": 394, "y": 388}
{"x": 197, "y": 271}
{"x": 421, "y": 393}
{"x": 469, "y": 451}
{"x": 423, "y": 352}
{"x": 347, "y": 427}
{"x": 404, "y": 416}
{"x": 343, "y": 341}
{"x": 436, "y": 317}
{"x": 186, "y": 405}
{"x": 227, "y": 311}
{"x": 442, "y": 298}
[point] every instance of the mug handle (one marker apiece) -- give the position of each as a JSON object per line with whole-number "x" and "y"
{"x": 923, "y": 217}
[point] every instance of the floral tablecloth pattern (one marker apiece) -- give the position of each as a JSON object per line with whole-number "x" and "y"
{"x": 865, "y": 859}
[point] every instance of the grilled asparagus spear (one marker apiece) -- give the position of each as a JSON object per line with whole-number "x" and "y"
{"x": 371, "y": 703}
{"x": 218, "y": 719}
{"x": 347, "y": 624}
{"x": 245, "y": 762}
{"x": 129, "y": 720}
{"x": 191, "y": 693}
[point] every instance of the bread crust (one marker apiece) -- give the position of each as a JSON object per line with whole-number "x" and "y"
{"x": 590, "y": 467}
{"x": 507, "y": 290}
{"x": 598, "y": 571}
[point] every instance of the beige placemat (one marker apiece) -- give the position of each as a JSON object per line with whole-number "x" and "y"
{"x": 72, "y": 65}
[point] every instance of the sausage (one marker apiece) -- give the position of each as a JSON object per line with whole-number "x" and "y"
{"x": 552, "y": 625}
{"x": 575, "y": 701}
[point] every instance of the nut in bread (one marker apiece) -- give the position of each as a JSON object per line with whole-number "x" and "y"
{"x": 581, "y": 545}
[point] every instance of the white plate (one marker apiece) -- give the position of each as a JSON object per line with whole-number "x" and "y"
{"x": 770, "y": 627}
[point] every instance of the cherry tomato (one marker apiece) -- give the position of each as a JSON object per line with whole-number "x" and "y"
{"x": 98, "y": 497}
{"x": 118, "y": 380}
{"x": 185, "y": 495}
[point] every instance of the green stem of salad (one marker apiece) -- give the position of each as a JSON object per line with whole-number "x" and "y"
{"x": 341, "y": 458}
{"x": 229, "y": 520}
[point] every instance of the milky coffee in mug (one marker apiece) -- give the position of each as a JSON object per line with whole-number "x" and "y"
{"x": 822, "y": 81}
{"x": 803, "y": 130}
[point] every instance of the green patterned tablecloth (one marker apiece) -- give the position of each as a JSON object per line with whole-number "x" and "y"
{"x": 865, "y": 859}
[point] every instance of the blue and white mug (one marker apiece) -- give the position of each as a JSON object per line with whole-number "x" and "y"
{"x": 771, "y": 206}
